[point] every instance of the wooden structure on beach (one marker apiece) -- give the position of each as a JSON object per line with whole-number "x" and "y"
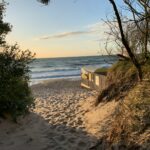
{"x": 93, "y": 80}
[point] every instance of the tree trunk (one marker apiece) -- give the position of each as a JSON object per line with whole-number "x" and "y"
{"x": 125, "y": 42}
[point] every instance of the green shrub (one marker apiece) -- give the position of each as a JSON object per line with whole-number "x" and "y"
{"x": 121, "y": 77}
{"x": 15, "y": 94}
{"x": 5, "y": 28}
{"x": 101, "y": 70}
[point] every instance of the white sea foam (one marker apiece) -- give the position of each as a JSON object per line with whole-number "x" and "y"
{"x": 58, "y": 68}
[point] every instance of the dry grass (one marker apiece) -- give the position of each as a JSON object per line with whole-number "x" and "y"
{"x": 131, "y": 123}
{"x": 121, "y": 77}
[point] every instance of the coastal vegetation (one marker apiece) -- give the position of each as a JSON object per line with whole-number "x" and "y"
{"x": 101, "y": 70}
{"x": 130, "y": 128}
{"x": 131, "y": 34}
{"x": 5, "y": 28}
{"x": 129, "y": 82}
{"x": 131, "y": 125}
{"x": 129, "y": 79}
{"x": 15, "y": 95}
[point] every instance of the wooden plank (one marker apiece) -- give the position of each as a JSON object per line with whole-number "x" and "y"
{"x": 84, "y": 85}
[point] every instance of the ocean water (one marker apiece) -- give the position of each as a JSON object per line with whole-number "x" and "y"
{"x": 69, "y": 67}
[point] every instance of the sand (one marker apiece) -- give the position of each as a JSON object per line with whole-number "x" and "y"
{"x": 64, "y": 118}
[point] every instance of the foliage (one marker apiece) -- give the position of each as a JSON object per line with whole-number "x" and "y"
{"x": 44, "y": 1}
{"x": 130, "y": 127}
{"x": 121, "y": 77}
{"x": 5, "y": 28}
{"x": 121, "y": 70}
{"x": 132, "y": 118}
{"x": 131, "y": 34}
{"x": 101, "y": 70}
{"x": 15, "y": 95}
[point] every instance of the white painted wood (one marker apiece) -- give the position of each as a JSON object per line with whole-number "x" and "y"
{"x": 97, "y": 80}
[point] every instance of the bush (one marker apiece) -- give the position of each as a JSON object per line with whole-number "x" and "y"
{"x": 101, "y": 70}
{"x": 121, "y": 77}
{"x": 5, "y": 28}
{"x": 131, "y": 120}
{"x": 15, "y": 94}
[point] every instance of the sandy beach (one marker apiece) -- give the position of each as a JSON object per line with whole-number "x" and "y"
{"x": 64, "y": 118}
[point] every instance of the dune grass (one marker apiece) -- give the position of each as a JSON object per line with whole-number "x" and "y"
{"x": 131, "y": 120}
{"x": 101, "y": 70}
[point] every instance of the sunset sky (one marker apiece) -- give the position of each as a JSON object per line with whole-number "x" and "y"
{"x": 61, "y": 29}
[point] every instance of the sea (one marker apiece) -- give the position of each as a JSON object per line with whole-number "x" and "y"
{"x": 63, "y": 68}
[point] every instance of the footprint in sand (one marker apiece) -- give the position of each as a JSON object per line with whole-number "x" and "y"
{"x": 72, "y": 140}
{"x": 82, "y": 144}
{"x": 51, "y": 146}
{"x": 60, "y": 138}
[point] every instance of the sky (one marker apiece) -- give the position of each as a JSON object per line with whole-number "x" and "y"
{"x": 64, "y": 28}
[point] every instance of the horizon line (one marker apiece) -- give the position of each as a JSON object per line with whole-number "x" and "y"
{"x": 71, "y": 56}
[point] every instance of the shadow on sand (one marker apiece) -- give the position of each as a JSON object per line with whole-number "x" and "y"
{"x": 33, "y": 132}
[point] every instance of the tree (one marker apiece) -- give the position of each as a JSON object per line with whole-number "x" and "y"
{"x": 15, "y": 95}
{"x": 4, "y": 27}
{"x": 141, "y": 21}
{"x": 124, "y": 40}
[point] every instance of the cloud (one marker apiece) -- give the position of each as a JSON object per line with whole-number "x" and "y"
{"x": 65, "y": 34}
{"x": 93, "y": 29}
